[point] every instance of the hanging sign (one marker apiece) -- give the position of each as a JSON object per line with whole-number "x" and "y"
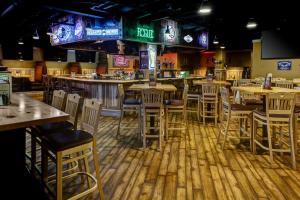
{"x": 284, "y": 65}
{"x": 152, "y": 49}
{"x": 169, "y": 32}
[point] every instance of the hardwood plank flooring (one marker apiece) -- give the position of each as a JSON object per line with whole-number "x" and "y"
{"x": 189, "y": 166}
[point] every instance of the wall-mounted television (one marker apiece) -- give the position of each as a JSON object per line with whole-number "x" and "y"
{"x": 120, "y": 61}
{"x": 283, "y": 44}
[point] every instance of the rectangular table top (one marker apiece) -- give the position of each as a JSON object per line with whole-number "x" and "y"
{"x": 159, "y": 86}
{"x": 200, "y": 82}
{"x": 261, "y": 91}
{"x": 25, "y": 111}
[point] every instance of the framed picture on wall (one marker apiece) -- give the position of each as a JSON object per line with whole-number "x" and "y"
{"x": 120, "y": 61}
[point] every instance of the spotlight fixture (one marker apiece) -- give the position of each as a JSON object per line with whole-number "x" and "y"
{"x": 205, "y": 8}
{"x": 222, "y": 47}
{"x": 20, "y": 42}
{"x": 36, "y": 35}
{"x": 216, "y": 41}
{"x": 251, "y": 24}
{"x": 167, "y": 30}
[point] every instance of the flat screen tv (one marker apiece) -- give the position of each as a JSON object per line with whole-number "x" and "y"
{"x": 282, "y": 44}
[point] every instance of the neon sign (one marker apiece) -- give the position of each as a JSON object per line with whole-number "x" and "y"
{"x": 102, "y": 32}
{"x": 145, "y": 32}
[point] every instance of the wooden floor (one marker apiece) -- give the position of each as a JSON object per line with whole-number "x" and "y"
{"x": 190, "y": 166}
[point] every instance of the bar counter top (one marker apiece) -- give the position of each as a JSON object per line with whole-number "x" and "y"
{"x": 25, "y": 111}
{"x": 87, "y": 79}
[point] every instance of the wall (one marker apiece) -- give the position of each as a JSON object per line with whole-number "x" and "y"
{"x": 260, "y": 67}
{"x": 238, "y": 58}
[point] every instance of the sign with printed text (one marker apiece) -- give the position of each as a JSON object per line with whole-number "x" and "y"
{"x": 284, "y": 65}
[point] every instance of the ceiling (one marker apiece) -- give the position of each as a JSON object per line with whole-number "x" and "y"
{"x": 20, "y": 18}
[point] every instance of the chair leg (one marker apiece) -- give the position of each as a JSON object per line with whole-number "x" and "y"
{"x": 33, "y": 153}
{"x": 270, "y": 143}
{"x": 293, "y": 154}
{"x": 167, "y": 124}
{"x": 97, "y": 170}
{"x": 144, "y": 130}
{"x": 198, "y": 109}
{"x": 226, "y": 131}
{"x": 59, "y": 176}
{"x": 87, "y": 170}
{"x": 253, "y": 136}
{"x": 216, "y": 114}
{"x": 120, "y": 120}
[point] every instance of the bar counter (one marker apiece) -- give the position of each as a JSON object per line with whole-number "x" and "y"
{"x": 106, "y": 89}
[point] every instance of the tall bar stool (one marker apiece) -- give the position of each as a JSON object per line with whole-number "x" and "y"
{"x": 128, "y": 105}
{"x": 79, "y": 143}
{"x": 234, "y": 113}
{"x": 209, "y": 101}
{"x": 153, "y": 113}
{"x": 279, "y": 114}
{"x": 176, "y": 106}
{"x": 193, "y": 96}
{"x": 72, "y": 108}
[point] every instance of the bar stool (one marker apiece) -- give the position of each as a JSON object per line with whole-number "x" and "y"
{"x": 209, "y": 101}
{"x": 279, "y": 114}
{"x": 176, "y": 106}
{"x": 152, "y": 109}
{"x": 79, "y": 143}
{"x": 128, "y": 105}
{"x": 232, "y": 113}
{"x": 72, "y": 108}
{"x": 194, "y": 96}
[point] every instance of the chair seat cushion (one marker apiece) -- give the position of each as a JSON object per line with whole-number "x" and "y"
{"x": 297, "y": 109}
{"x": 263, "y": 113}
{"x": 60, "y": 141}
{"x": 252, "y": 102}
{"x": 237, "y": 107}
{"x": 174, "y": 102}
{"x": 54, "y": 127}
{"x": 131, "y": 101}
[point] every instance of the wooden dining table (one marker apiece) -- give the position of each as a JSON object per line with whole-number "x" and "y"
{"x": 21, "y": 113}
{"x": 263, "y": 92}
{"x": 221, "y": 83}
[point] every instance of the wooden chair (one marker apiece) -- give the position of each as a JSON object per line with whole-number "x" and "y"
{"x": 128, "y": 105}
{"x": 72, "y": 108}
{"x": 177, "y": 106}
{"x": 194, "y": 96}
{"x": 153, "y": 113}
{"x": 79, "y": 143}
{"x": 233, "y": 114}
{"x": 279, "y": 114}
{"x": 209, "y": 101}
{"x": 284, "y": 84}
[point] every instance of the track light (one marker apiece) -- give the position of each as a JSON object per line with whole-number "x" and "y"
{"x": 49, "y": 31}
{"x": 205, "y": 8}
{"x": 222, "y": 47}
{"x": 20, "y": 42}
{"x": 167, "y": 30}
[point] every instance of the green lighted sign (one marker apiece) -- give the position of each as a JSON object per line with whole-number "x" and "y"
{"x": 143, "y": 32}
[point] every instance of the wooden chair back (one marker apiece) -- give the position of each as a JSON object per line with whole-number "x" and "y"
{"x": 58, "y": 99}
{"x": 72, "y": 108}
{"x": 280, "y": 105}
{"x": 284, "y": 84}
{"x": 244, "y": 82}
{"x": 90, "y": 115}
{"x": 152, "y": 98}
{"x": 121, "y": 94}
{"x": 225, "y": 97}
{"x": 210, "y": 91}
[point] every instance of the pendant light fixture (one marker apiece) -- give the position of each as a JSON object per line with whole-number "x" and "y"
{"x": 49, "y": 31}
{"x": 20, "y": 42}
{"x": 36, "y": 35}
{"x": 205, "y": 8}
{"x": 216, "y": 41}
{"x": 167, "y": 29}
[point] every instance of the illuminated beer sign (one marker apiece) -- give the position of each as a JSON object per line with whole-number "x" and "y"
{"x": 145, "y": 32}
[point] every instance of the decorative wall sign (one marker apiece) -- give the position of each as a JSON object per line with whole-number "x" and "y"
{"x": 140, "y": 32}
{"x": 152, "y": 51}
{"x": 62, "y": 34}
{"x": 284, "y": 65}
{"x": 169, "y": 32}
{"x": 203, "y": 40}
{"x": 120, "y": 61}
{"x": 188, "y": 38}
